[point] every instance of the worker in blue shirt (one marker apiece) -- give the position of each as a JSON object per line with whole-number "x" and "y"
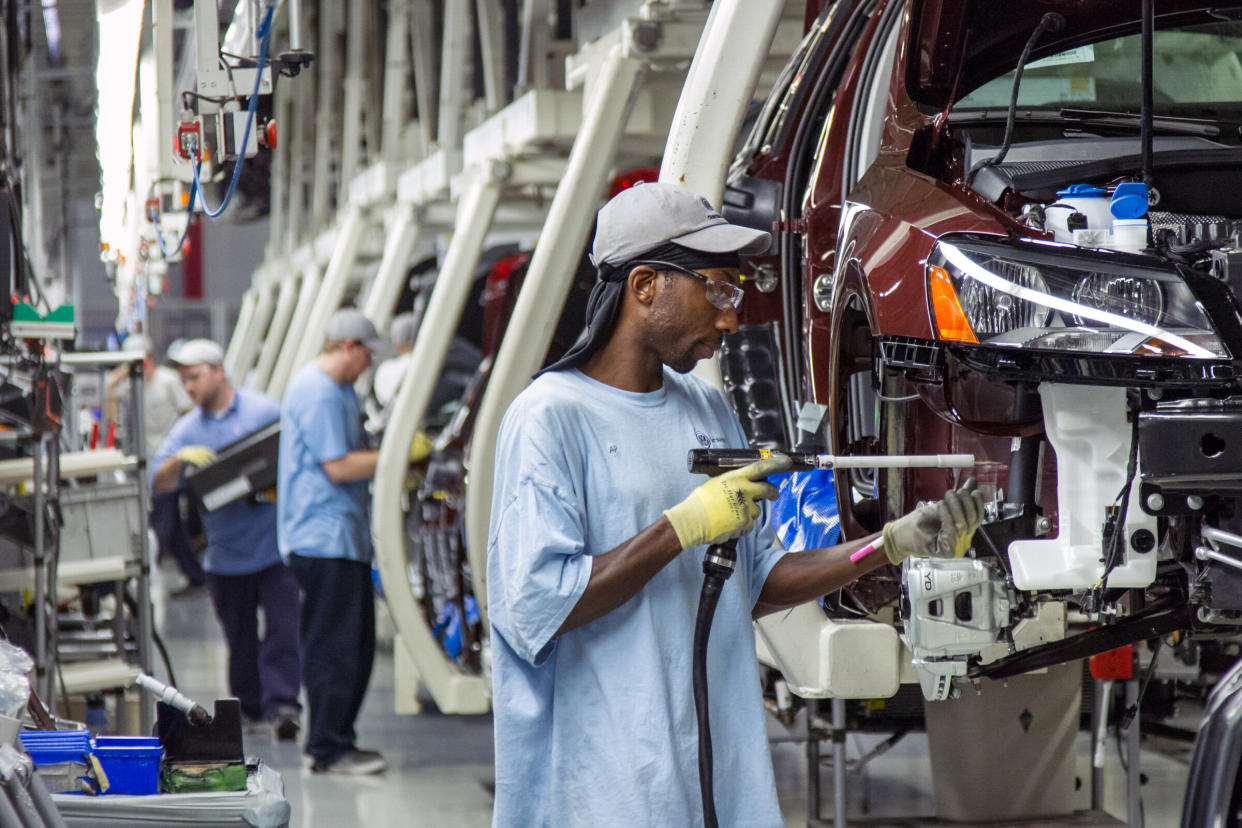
{"x": 596, "y": 540}
{"x": 243, "y": 565}
{"x": 325, "y": 535}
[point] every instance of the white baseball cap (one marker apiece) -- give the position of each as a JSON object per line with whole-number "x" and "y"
{"x": 196, "y": 352}
{"x": 137, "y": 342}
{"x": 648, "y": 215}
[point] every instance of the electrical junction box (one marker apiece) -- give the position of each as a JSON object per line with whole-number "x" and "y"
{"x": 232, "y": 131}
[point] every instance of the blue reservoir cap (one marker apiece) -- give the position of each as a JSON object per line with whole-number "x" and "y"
{"x": 1129, "y": 200}
{"x": 1082, "y": 191}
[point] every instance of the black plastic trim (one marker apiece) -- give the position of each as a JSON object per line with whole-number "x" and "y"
{"x": 1031, "y": 365}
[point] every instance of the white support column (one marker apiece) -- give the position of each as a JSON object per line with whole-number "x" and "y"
{"x": 546, "y": 285}
{"x": 286, "y": 363}
{"x": 278, "y": 212}
{"x": 713, "y": 102}
{"x": 252, "y": 336}
{"x": 396, "y": 72}
{"x": 286, "y": 300}
{"x": 355, "y": 90}
{"x": 401, "y": 238}
{"x": 422, "y": 54}
{"x": 245, "y": 317}
{"x": 327, "y": 112}
{"x": 490, "y": 16}
{"x": 373, "y": 87}
{"x": 717, "y": 92}
{"x": 165, "y": 87}
{"x": 298, "y": 135}
{"x": 455, "y": 57}
{"x": 332, "y": 289}
{"x": 533, "y": 46}
{"x": 206, "y": 39}
{"x": 453, "y": 691}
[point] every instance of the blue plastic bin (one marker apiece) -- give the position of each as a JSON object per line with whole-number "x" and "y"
{"x": 132, "y": 763}
{"x": 47, "y": 747}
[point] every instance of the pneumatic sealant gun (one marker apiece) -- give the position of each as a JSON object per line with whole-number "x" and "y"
{"x": 721, "y": 558}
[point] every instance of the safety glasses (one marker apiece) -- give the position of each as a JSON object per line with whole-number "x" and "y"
{"x": 721, "y": 294}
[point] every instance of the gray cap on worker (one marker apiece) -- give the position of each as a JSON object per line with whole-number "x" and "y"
{"x": 350, "y": 323}
{"x": 676, "y": 225}
{"x": 403, "y": 330}
{"x": 648, "y": 215}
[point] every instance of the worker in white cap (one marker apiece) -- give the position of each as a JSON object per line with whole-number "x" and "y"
{"x": 244, "y": 571}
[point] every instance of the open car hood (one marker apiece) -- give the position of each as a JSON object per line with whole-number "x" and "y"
{"x": 983, "y": 38}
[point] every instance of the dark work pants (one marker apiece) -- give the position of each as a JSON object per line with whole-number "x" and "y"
{"x": 172, "y": 535}
{"x": 338, "y": 648}
{"x": 263, "y": 675}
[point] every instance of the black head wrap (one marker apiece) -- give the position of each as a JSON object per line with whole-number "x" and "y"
{"x": 604, "y": 303}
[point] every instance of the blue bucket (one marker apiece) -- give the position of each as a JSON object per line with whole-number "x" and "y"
{"x": 132, "y": 763}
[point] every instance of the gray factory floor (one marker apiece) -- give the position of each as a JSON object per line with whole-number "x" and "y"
{"x": 440, "y": 766}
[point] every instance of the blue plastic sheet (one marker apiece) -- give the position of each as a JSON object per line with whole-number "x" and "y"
{"x": 804, "y": 513}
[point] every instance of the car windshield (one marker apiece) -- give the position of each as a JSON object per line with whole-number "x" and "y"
{"x": 1197, "y": 71}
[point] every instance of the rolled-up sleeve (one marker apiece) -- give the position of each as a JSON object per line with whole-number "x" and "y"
{"x": 539, "y": 568}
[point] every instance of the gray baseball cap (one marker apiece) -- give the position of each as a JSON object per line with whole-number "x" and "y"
{"x": 196, "y": 352}
{"x": 349, "y": 323}
{"x": 403, "y": 330}
{"x": 651, "y": 214}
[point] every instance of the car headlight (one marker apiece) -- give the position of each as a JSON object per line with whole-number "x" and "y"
{"x": 1040, "y": 295}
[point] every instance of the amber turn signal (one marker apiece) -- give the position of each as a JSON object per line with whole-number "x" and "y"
{"x": 947, "y": 309}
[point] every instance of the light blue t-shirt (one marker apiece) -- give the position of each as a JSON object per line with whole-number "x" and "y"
{"x": 597, "y": 727}
{"x": 321, "y": 421}
{"x": 241, "y": 538}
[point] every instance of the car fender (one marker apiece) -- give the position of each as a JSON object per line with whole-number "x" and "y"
{"x": 892, "y": 221}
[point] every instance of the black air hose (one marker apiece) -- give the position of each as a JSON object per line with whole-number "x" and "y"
{"x": 717, "y": 567}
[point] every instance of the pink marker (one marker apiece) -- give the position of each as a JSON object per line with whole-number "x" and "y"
{"x": 878, "y": 543}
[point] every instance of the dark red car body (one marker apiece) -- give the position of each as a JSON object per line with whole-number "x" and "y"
{"x": 792, "y": 175}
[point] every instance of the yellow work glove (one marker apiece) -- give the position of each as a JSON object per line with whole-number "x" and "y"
{"x": 196, "y": 456}
{"x": 938, "y": 530}
{"x": 420, "y": 447}
{"x": 725, "y": 507}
